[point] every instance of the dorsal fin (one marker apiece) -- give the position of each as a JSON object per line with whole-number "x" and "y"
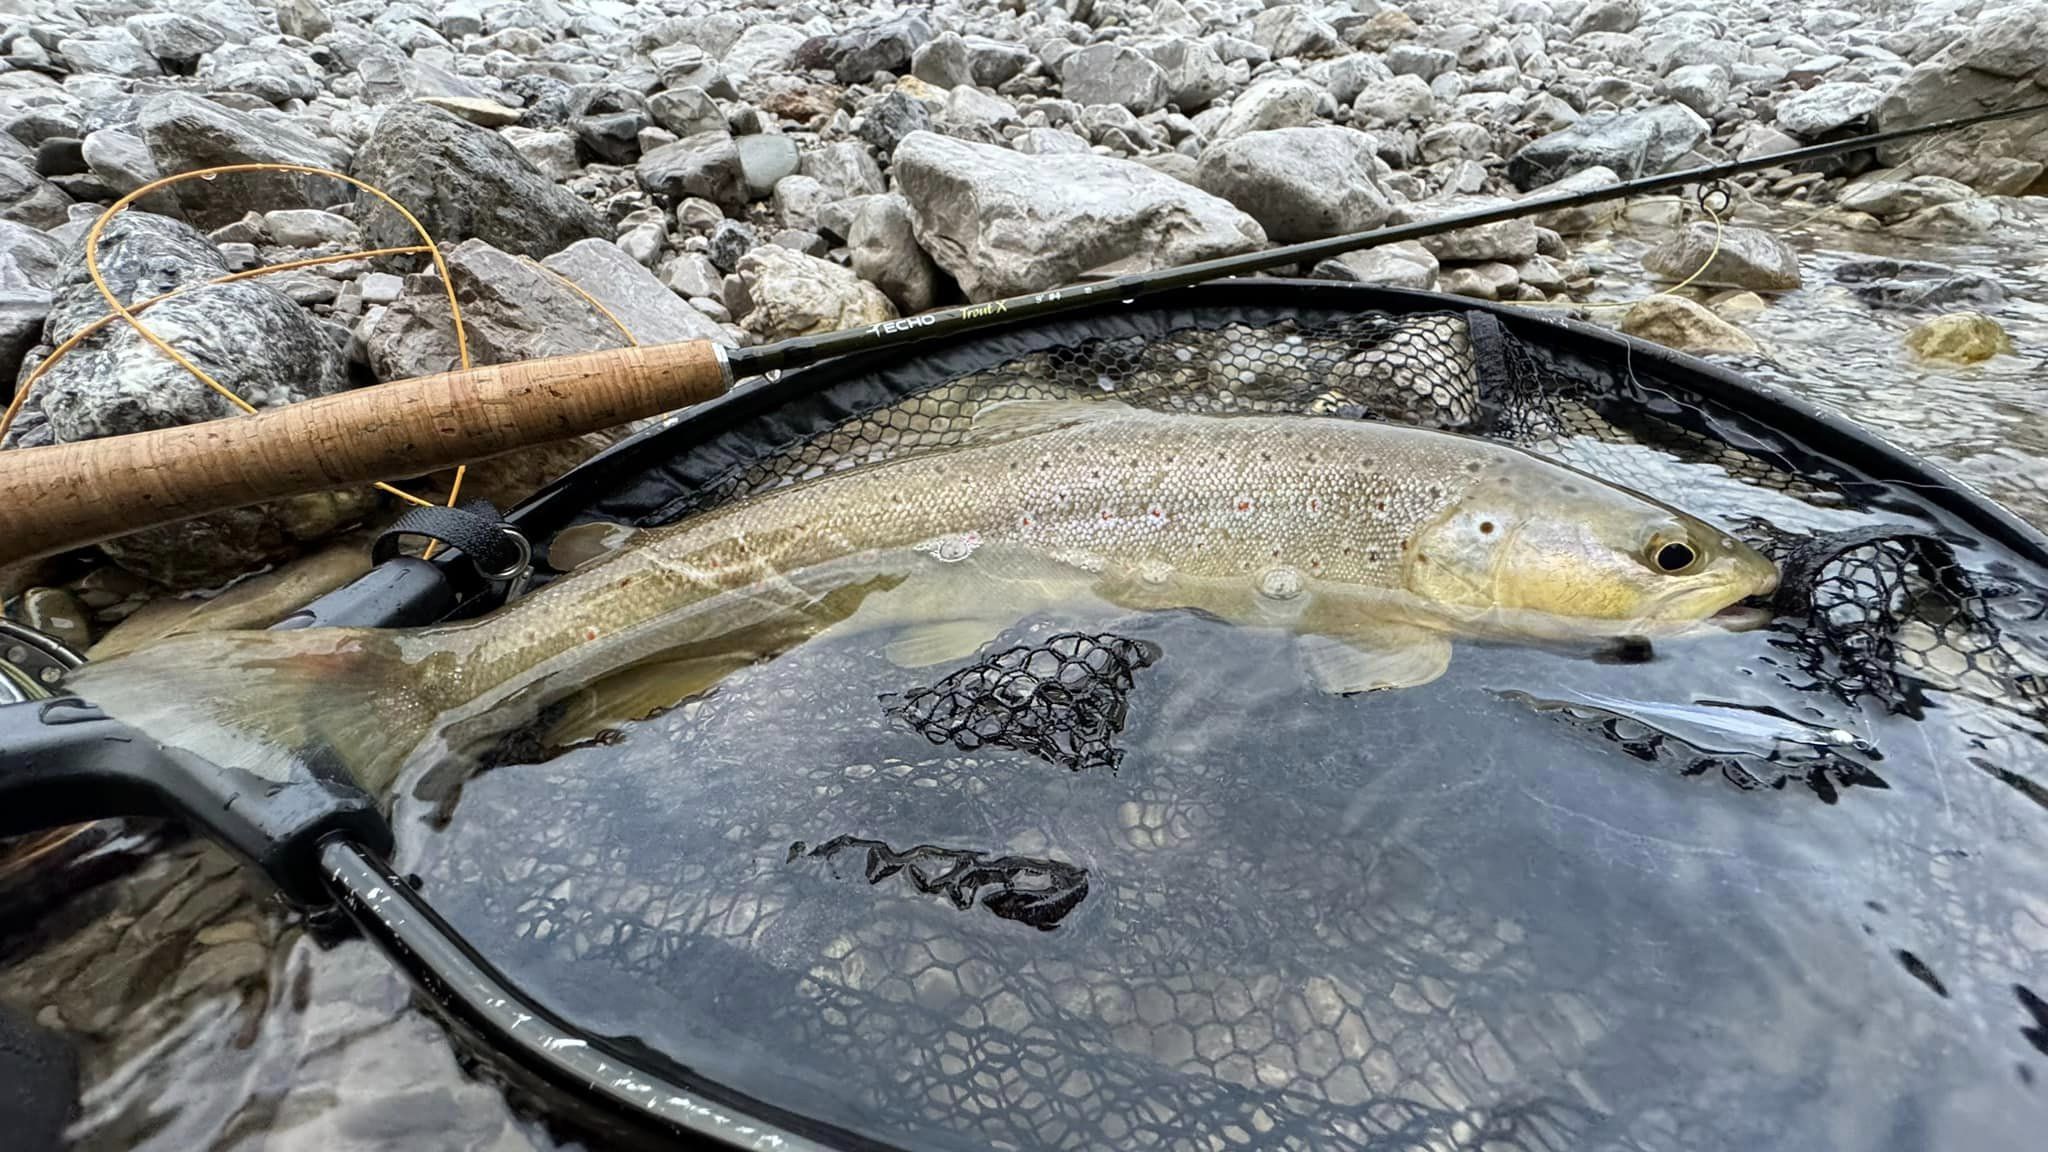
{"x": 1023, "y": 417}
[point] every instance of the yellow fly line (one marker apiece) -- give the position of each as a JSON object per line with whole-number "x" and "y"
{"x": 127, "y": 313}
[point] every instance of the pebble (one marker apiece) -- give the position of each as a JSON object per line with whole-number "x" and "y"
{"x": 1959, "y": 338}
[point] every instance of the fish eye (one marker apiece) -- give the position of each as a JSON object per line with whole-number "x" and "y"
{"x": 1672, "y": 557}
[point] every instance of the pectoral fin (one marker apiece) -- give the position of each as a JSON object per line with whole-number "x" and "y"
{"x": 942, "y": 641}
{"x": 639, "y": 692}
{"x": 1392, "y": 657}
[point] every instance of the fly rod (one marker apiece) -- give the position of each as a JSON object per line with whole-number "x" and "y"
{"x": 69, "y": 495}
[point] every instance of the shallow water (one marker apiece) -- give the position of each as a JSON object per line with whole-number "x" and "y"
{"x": 1484, "y": 918}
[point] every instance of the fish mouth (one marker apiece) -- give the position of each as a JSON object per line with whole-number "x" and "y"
{"x": 1742, "y": 616}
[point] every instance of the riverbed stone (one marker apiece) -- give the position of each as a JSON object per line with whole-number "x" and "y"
{"x": 1827, "y": 108}
{"x": 858, "y": 53}
{"x": 1741, "y": 258}
{"x": 1677, "y": 322}
{"x": 1403, "y": 265}
{"x": 1631, "y": 144}
{"x": 463, "y": 182}
{"x": 798, "y": 295}
{"x": 1298, "y": 183}
{"x": 884, "y": 251}
{"x": 1959, "y": 338}
{"x": 1114, "y": 74}
{"x": 1269, "y": 104}
{"x": 1889, "y": 283}
{"x": 706, "y": 165}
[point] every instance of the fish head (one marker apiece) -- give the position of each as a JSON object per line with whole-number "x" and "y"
{"x": 1539, "y": 548}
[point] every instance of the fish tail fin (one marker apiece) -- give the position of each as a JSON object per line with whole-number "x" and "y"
{"x": 261, "y": 701}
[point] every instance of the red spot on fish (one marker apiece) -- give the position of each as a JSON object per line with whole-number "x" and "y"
{"x": 1315, "y": 503}
{"x": 590, "y": 632}
{"x": 1157, "y": 514}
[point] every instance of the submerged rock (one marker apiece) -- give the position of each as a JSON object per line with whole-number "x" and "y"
{"x": 1676, "y": 322}
{"x": 1741, "y": 258}
{"x": 463, "y": 182}
{"x": 1003, "y": 223}
{"x": 1917, "y": 284}
{"x": 1959, "y": 338}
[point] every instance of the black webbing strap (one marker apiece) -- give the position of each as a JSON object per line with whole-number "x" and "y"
{"x": 475, "y": 528}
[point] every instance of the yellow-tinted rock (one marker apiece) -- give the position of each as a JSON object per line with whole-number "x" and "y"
{"x": 1960, "y": 338}
{"x": 1676, "y": 322}
{"x": 1734, "y": 306}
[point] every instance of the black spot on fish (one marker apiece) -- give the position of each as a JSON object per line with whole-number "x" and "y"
{"x": 1920, "y": 971}
{"x": 2038, "y": 1009}
{"x": 1570, "y": 489}
{"x": 1486, "y": 527}
{"x": 1473, "y": 466}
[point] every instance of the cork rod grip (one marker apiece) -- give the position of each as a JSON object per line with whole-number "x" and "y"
{"x": 70, "y": 495}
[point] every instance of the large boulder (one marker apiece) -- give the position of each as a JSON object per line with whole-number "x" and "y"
{"x": 184, "y": 132}
{"x": 248, "y": 336}
{"x": 2001, "y": 61}
{"x": 1298, "y": 183}
{"x": 1737, "y": 258}
{"x": 1632, "y": 144}
{"x": 463, "y": 182}
{"x": 1004, "y": 223}
{"x": 798, "y": 295}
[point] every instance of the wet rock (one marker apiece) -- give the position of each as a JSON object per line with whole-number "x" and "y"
{"x": 1959, "y": 338}
{"x": 184, "y": 132}
{"x": 1114, "y": 74}
{"x": 1917, "y": 284}
{"x": 463, "y": 181}
{"x": 250, "y": 337}
{"x": 1956, "y": 220}
{"x": 858, "y": 53}
{"x": 884, "y": 250}
{"x": 1278, "y": 103}
{"x": 686, "y": 111}
{"x": 652, "y": 313}
{"x": 1002, "y": 223}
{"x": 1827, "y": 108}
{"x": 1290, "y": 30}
{"x": 174, "y": 38}
{"x": 798, "y": 295}
{"x": 1736, "y": 307}
{"x": 764, "y": 161}
{"x": 1676, "y": 322}
{"x": 896, "y": 115}
{"x": 1747, "y": 258}
{"x": 1195, "y": 75}
{"x": 1889, "y": 199}
{"x": 27, "y": 198}
{"x": 1489, "y": 281}
{"x": 1298, "y": 183}
{"x": 1403, "y": 265}
{"x": 1401, "y": 100}
{"x": 706, "y": 165}
{"x": 1632, "y": 144}
{"x": 845, "y": 169}
{"x": 56, "y": 612}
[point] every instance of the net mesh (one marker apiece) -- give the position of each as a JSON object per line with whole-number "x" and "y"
{"x": 1208, "y": 1022}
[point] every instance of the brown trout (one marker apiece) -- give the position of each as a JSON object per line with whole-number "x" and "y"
{"x": 1374, "y": 543}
